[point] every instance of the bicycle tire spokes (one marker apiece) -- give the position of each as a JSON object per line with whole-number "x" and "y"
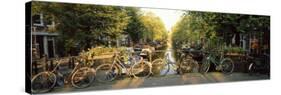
{"x": 106, "y": 72}
{"x": 43, "y": 82}
{"x": 82, "y": 78}
{"x": 188, "y": 65}
{"x": 227, "y": 66}
{"x": 160, "y": 67}
{"x": 141, "y": 69}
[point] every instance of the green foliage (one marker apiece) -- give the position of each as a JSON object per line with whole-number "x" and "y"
{"x": 234, "y": 50}
{"x": 154, "y": 28}
{"x": 84, "y": 26}
{"x": 98, "y": 51}
{"x": 217, "y": 29}
{"x": 135, "y": 26}
{"x": 90, "y": 52}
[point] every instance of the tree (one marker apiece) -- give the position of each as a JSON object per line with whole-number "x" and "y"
{"x": 219, "y": 27}
{"x": 135, "y": 26}
{"x": 145, "y": 27}
{"x": 154, "y": 28}
{"x": 83, "y": 26}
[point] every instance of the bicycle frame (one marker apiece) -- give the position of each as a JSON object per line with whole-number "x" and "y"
{"x": 120, "y": 65}
{"x": 166, "y": 60}
{"x": 212, "y": 58}
{"x": 76, "y": 66}
{"x": 219, "y": 63}
{"x": 58, "y": 63}
{"x": 53, "y": 70}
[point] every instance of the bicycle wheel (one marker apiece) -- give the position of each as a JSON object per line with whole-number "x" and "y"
{"x": 142, "y": 69}
{"x": 106, "y": 72}
{"x": 43, "y": 82}
{"x": 188, "y": 65}
{"x": 160, "y": 67}
{"x": 83, "y": 77}
{"x": 251, "y": 68}
{"x": 204, "y": 68}
{"x": 227, "y": 66}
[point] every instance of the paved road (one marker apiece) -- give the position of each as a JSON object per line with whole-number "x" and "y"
{"x": 186, "y": 79}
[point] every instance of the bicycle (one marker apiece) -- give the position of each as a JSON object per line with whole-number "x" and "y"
{"x": 163, "y": 65}
{"x": 222, "y": 63}
{"x": 137, "y": 67}
{"x": 185, "y": 64}
{"x": 80, "y": 77}
{"x": 259, "y": 64}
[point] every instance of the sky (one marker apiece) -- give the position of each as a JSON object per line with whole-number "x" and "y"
{"x": 169, "y": 17}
